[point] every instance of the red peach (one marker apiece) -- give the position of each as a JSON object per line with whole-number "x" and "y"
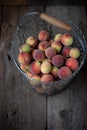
{"x": 54, "y": 71}
{"x": 43, "y": 35}
{"x": 67, "y": 39}
{"x": 43, "y": 45}
{"x": 50, "y": 52}
{"x": 58, "y": 37}
{"x": 58, "y": 60}
{"x": 24, "y": 58}
{"x": 38, "y": 55}
{"x": 72, "y": 63}
{"x": 64, "y": 72}
{"x": 46, "y": 67}
{"x": 24, "y": 67}
{"x": 57, "y": 46}
{"x": 47, "y": 78}
{"x": 35, "y": 67}
{"x": 25, "y": 48}
{"x": 66, "y": 51}
{"x": 74, "y": 52}
{"x": 32, "y": 41}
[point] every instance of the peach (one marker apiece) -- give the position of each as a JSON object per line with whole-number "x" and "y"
{"x": 57, "y": 46}
{"x": 47, "y": 78}
{"x": 58, "y": 37}
{"x": 25, "y": 48}
{"x": 24, "y": 58}
{"x": 24, "y": 67}
{"x": 74, "y": 52}
{"x": 31, "y": 41}
{"x": 29, "y": 74}
{"x": 67, "y": 39}
{"x": 66, "y": 51}
{"x": 46, "y": 60}
{"x": 64, "y": 72}
{"x": 72, "y": 63}
{"x": 35, "y": 67}
{"x": 38, "y": 55}
{"x": 54, "y": 71}
{"x": 43, "y": 35}
{"x": 35, "y": 80}
{"x": 50, "y": 52}
{"x": 58, "y": 60}
{"x": 46, "y": 67}
{"x": 43, "y": 45}
{"x": 36, "y": 77}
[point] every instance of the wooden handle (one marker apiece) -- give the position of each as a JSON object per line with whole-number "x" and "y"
{"x": 55, "y": 21}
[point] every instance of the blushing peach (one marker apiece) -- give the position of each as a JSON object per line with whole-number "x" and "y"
{"x": 43, "y": 45}
{"x": 67, "y": 39}
{"x": 43, "y": 35}
{"x": 58, "y": 37}
{"x": 47, "y": 78}
{"x": 64, "y": 72}
{"x": 72, "y": 63}
{"x": 25, "y": 48}
{"x": 35, "y": 67}
{"x": 38, "y": 55}
{"x": 74, "y": 52}
{"x": 66, "y": 51}
{"x": 55, "y": 71}
{"x": 58, "y": 60}
{"x": 50, "y": 52}
{"x": 31, "y": 41}
{"x": 24, "y": 67}
{"x": 46, "y": 67}
{"x": 24, "y": 58}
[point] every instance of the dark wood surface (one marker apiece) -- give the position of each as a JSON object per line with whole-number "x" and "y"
{"x": 22, "y": 109}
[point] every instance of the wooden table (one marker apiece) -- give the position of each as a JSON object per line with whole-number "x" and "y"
{"x": 21, "y": 109}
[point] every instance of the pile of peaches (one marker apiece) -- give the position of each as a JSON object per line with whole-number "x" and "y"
{"x": 48, "y": 60}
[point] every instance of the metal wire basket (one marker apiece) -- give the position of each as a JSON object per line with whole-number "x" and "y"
{"x": 32, "y": 24}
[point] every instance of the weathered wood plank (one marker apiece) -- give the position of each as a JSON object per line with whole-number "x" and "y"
{"x": 22, "y": 108}
{"x": 67, "y": 110}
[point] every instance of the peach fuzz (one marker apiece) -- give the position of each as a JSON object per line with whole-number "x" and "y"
{"x": 66, "y": 51}
{"x": 74, "y": 53}
{"x": 43, "y": 45}
{"x": 50, "y": 52}
{"x": 32, "y": 41}
{"x": 24, "y": 58}
{"x": 47, "y": 78}
{"x": 56, "y": 45}
{"x": 35, "y": 67}
{"x": 46, "y": 67}
{"x": 43, "y": 35}
{"x": 67, "y": 39}
{"x": 38, "y": 55}
{"x": 58, "y": 60}
{"x": 58, "y": 37}
{"x": 72, "y": 63}
{"x": 54, "y": 71}
{"x": 64, "y": 72}
{"x": 25, "y": 48}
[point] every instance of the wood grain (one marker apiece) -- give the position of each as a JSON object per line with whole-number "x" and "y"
{"x": 67, "y": 110}
{"x": 22, "y": 108}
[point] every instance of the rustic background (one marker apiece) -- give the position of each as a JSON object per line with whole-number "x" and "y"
{"x": 22, "y": 109}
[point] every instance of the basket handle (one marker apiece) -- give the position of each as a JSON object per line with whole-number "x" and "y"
{"x": 55, "y": 21}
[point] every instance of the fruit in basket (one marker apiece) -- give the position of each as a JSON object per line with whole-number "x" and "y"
{"x": 25, "y": 48}
{"x": 24, "y": 67}
{"x": 54, "y": 71}
{"x": 74, "y": 52}
{"x": 24, "y": 58}
{"x": 35, "y": 67}
{"x": 43, "y": 35}
{"x": 67, "y": 39}
{"x": 72, "y": 63}
{"x": 31, "y": 41}
{"x": 50, "y": 52}
{"x": 58, "y": 37}
{"x": 43, "y": 45}
{"x": 38, "y": 55}
{"x": 56, "y": 45}
{"x": 64, "y": 72}
{"x": 47, "y": 78}
{"x": 66, "y": 51}
{"x": 46, "y": 67}
{"x": 58, "y": 60}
